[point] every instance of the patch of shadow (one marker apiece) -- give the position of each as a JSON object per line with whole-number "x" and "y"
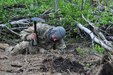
{"x": 107, "y": 69}
{"x": 13, "y": 71}
{"x": 16, "y": 65}
{"x": 60, "y": 64}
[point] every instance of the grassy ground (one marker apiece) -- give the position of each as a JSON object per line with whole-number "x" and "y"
{"x": 21, "y": 8}
{"x": 70, "y": 10}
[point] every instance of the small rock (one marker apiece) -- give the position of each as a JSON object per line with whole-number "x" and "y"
{"x": 43, "y": 50}
{"x": 3, "y": 45}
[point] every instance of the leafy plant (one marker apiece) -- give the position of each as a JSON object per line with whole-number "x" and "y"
{"x": 80, "y": 51}
{"x": 99, "y": 49}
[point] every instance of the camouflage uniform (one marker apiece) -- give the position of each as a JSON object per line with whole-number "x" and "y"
{"x": 44, "y": 42}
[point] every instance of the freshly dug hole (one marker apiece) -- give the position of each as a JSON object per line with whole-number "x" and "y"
{"x": 107, "y": 66}
{"x": 107, "y": 69}
{"x": 60, "y": 64}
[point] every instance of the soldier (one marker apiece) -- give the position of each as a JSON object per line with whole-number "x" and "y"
{"x": 47, "y": 37}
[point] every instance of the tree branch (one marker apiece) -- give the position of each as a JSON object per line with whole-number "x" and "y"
{"x": 94, "y": 37}
{"x": 98, "y": 32}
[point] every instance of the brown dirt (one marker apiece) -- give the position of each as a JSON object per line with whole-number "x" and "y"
{"x": 53, "y": 63}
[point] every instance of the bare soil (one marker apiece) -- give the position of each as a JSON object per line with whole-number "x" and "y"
{"x": 54, "y": 62}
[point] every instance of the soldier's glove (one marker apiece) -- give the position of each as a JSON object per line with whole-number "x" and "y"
{"x": 34, "y": 39}
{"x": 31, "y": 36}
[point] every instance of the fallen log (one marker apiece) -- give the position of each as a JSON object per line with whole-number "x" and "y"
{"x": 98, "y": 33}
{"x": 95, "y": 38}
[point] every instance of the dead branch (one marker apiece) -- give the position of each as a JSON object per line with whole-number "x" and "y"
{"x": 45, "y": 12}
{"x": 26, "y": 21}
{"x": 22, "y": 22}
{"x": 4, "y": 26}
{"x": 18, "y": 22}
{"x": 94, "y": 37}
{"x": 98, "y": 33}
{"x": 19, "y": 28}
{"x": 13, "y": 31}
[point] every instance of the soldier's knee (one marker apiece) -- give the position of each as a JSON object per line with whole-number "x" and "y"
{"x": 10, "y": 50}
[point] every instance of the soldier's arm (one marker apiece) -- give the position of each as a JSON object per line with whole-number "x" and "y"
{"x": 26, "y": 33}
{"x": 61, "y": 45}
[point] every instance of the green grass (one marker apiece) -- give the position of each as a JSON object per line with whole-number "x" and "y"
{"x": 9, "y": 8}
{"x": 66, "y": 16}
{"x": 99, "y": 49}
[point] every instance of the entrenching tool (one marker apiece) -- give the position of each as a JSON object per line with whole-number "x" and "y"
{"x": 35, "y": 20}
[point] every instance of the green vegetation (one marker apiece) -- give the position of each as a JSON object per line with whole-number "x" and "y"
{"x": 67, "y": 14}
{"x": 14, "y": 9}
{"x": 80, "y": 51}
{"x": 99, "y": 49}
{"x": 69, "y": 11}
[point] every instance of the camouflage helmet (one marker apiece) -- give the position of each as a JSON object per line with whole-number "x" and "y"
{"x": 59, "y": 32}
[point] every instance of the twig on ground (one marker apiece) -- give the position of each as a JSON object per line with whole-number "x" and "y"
{"x": 22, "y": 21}
{"x": 45, "y": 12}
{"x": 12, "y": 31}
{"x": 19, "y": 28}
